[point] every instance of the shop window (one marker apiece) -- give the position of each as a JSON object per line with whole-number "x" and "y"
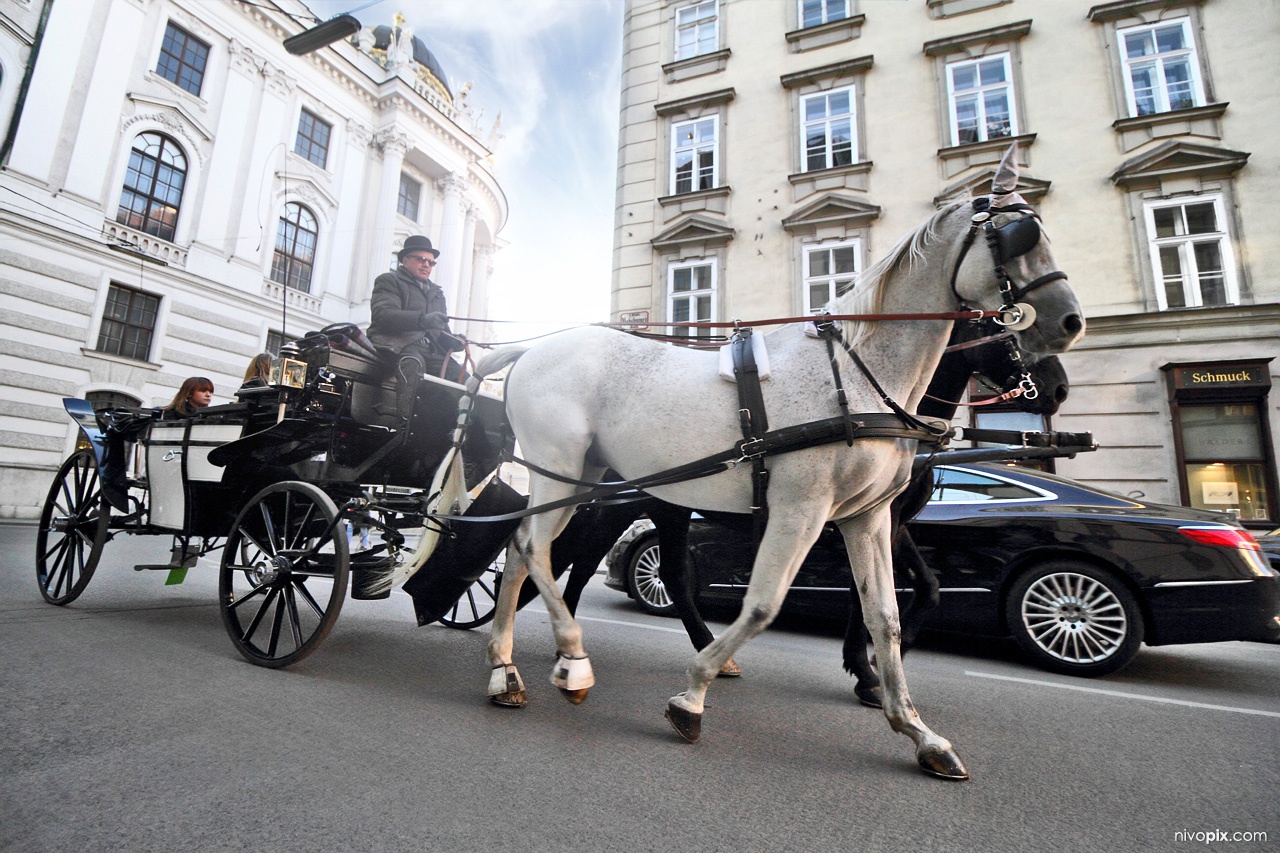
{"x": 1221, "y": 436}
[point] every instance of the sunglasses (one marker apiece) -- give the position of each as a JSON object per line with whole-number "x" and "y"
{"x": 421, "y": 259}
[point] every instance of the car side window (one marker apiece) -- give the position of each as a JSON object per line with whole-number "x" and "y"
{"x": 958, "y": 486}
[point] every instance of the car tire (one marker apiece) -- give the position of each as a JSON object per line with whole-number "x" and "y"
{"x": 643, "y": 560}
{"x": 1074, "y": 618}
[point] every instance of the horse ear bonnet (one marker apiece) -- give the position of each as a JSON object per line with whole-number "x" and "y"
{"x": 1018, "y": 237}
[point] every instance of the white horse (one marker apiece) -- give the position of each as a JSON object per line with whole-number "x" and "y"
{"x": 594, "y": 398}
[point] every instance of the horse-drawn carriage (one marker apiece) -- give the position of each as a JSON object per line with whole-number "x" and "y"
{"x": 275, "y": 481}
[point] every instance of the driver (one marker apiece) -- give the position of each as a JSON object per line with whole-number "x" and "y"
{"x": 409, "y": 315}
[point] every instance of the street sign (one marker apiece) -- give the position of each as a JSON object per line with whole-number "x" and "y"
{"x": 637, "y": 320}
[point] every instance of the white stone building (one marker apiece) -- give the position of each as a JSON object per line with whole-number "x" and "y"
{"x": 179, "y": 193}
{"x": 769, "y": 150}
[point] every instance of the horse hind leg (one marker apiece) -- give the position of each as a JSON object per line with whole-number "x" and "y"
{"x": 506, "y": 688}
{"x": 672, "y": 523}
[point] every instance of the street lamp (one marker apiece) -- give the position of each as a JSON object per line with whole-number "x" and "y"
{"x": 334, "y": 29}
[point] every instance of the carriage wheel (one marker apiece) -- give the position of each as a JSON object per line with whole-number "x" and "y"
{"x": 477, "y": 605}
{"x": 284, "y": 574}
{"x": 73, "y": 529}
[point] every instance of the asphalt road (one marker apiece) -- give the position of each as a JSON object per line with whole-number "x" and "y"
{"x": 129, "y": 722}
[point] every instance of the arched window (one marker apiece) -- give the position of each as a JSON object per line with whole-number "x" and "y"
{"x": 295, "y": 254}
{"x": 153, "y": 184}
{"x": 102, "y": 400}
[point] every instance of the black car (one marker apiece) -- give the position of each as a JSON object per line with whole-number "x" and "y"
{"x": 1079, "y": 577}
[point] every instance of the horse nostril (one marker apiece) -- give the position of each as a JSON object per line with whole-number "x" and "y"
{"x": 1073, "y": 324}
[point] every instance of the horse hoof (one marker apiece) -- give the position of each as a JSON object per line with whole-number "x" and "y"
{"x": 869, "y": 696}
{"x": 510, "y": 700}
{"x": 686, "y": 723}
{"x": 574, "y": 697}
{"x": 729, "y": 670}
{"x": 943, "y": 765}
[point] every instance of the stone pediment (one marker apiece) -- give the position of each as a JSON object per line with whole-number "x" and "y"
{"x": 1032, "y": 189}
{"x": 1173, "y": 160}
{"x": 171, "y": 113}
{"x": 299, "y": 188}
{"x": 832, "y": 209}
{"x": 693, "y": 230}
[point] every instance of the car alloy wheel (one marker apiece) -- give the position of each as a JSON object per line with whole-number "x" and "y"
{"x": 1074, "y": 618}
{"x": 642, "y": 576}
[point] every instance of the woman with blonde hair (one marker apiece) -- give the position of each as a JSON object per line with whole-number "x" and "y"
{"x": 196, "y": 393}
{"x": 258, "y": 373}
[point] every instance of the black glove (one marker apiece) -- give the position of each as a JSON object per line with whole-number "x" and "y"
{"x": 434, "y": 320}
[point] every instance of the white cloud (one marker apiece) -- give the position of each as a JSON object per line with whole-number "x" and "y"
{"x": 552, "y": 69}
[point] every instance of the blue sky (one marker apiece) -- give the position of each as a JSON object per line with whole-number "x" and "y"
{"x": 552, "y": 69}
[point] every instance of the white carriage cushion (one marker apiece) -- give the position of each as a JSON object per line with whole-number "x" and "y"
{"x": 757, "y": 349}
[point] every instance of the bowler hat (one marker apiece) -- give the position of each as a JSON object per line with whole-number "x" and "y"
{"x": 417, "y": 243}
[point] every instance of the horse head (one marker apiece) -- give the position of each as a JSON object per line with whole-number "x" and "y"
{"x": 1005, "y": 263}
{"x": 981, "y": 347}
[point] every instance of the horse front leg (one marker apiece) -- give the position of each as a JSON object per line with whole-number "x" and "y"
{"x": 786, "y": 541}
{"x": 866, "y": 539}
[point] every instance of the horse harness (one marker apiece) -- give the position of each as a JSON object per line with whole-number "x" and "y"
{"x": 759, "y": 442}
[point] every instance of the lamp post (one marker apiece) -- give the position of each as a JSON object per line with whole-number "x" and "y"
{"x": 334, "y": 29}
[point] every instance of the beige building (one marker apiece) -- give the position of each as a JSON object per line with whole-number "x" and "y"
{"x": 178, "y": 193}
{"x": 770, "y": 149}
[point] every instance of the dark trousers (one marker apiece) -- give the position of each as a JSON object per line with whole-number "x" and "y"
{"x": 433, "y": 362}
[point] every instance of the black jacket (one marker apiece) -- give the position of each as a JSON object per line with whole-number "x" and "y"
{"x": 398, "y": 310}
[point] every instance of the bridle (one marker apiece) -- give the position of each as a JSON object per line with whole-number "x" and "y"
{"x": 1008, "y": 241}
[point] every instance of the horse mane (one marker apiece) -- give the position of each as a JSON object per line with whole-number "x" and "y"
{"x": 867, "y": 295}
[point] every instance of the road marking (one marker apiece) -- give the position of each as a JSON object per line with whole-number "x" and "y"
{"x": 1124, "y": 695}
{"x": 614, "y": 622}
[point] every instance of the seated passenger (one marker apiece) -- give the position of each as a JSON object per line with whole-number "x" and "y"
{"x": 196, "y": 393}
{"x": 258, "y": 374}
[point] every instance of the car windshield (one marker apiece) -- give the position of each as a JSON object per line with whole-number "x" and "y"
{"x": 954, "y": 485}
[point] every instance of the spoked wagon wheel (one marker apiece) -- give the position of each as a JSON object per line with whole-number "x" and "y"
{"x": 478, "y": 603}
{"x": 284, "y": 574}
{"x": 73, "y": 529}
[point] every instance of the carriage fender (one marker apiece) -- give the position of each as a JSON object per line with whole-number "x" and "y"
{"x": 81, "y": 412}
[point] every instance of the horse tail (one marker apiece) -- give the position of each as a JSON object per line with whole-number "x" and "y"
{"x": 492, "y": 363}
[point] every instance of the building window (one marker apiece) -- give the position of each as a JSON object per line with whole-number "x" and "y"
{"x": 153, "y": 183}
{"x": 1190, "y": 253}
{"x": 295, "y": 254}
{"x": 313, "y": 138}
{"x": 410, "y": 193}
{"x": 693, "y": 155}
{"x": 696, "y": 30}
{"x": 816, "y": 12}
{"x": 182, "y": 59}
{"x": 128, "y": 323}
{"x": 829, "y": 129}
{"x": 692, "y": 294}
{"x": 1160, "y": 68}
{"x": 981, "y": 100}
{"x": 829, "y": 271}
{"x": 275, "y": 340}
